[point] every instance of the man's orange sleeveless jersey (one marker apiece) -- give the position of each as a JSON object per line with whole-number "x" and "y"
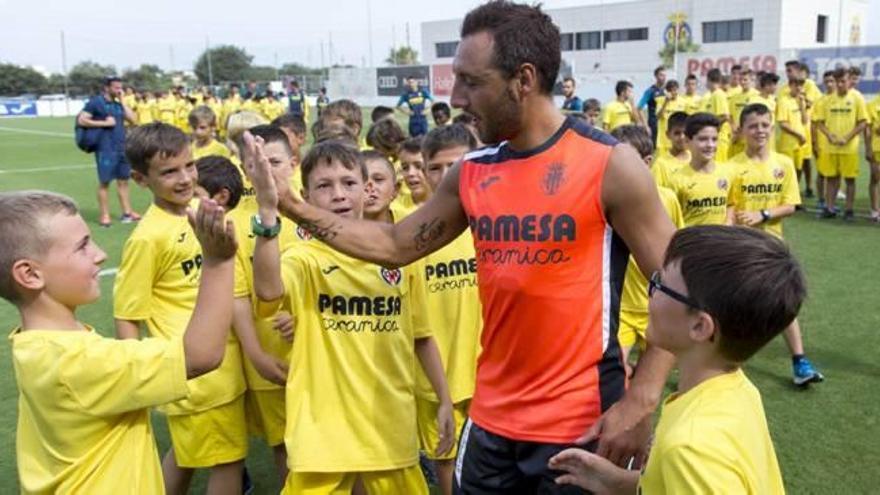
{"x": 550, "y": 271}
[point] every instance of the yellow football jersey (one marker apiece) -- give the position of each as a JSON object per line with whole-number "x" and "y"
{"x": 213, "y": 148}
{"x": 181, "y": 119}
{"x": 635, "y": 286}
{"x": 741, "y": 100}
{"x": 145, "y": 110}
{"x": 166, "y": 110}
{"x": 665, "y": 165}
{"x": 455, "y": 315}
{"x": 693, "y": 103}
{"x": 616, "y": 113}
{"x": 788, "y": 110}
{"x": 270, "y": 339}
{"x": 157, "y": 282}
{"x": 352, "y": 379}
{"x": 83, "y": 418}
{"x": 874, "y": 118}
{"x": 272, "y": 109}
{"x": 713, "y": 439}
{"x": 761, "y": 185}
{"x": 229, "y": 107}
{"x": 676, "y": 105}
{"x": 841, "y": 114}
{"x": 716, "y": 104}
{"x": 703, "y": 196}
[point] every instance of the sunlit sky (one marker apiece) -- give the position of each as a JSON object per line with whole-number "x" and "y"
{"x": 172, "y": 34}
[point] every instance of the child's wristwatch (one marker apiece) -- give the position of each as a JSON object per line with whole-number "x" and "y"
{"x": 765, "y": 215}
{"x": 261, "y": 230}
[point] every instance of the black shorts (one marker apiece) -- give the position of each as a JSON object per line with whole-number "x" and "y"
{"x": 489, "y": 463}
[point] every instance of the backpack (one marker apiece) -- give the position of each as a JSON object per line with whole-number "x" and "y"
{"x": 89, "y": 138}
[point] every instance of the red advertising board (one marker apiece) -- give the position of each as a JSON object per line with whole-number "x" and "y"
{"x": 758, "y": 63}
{"x": 442, "y": 79}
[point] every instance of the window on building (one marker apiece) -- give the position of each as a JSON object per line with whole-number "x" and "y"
{"x": 566, "y": 42}
{"x": 821, "y": 29}
{"x": 588, "y": 40}
{"x": 631, "y": 34}
{"x": 446, "y": 49}
{"x": 724, "y": 31}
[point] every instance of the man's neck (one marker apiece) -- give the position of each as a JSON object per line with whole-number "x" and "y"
{"x": 539, "y": 123}
{"x": 44, "y": 313}
{"x": 698, "y": 365}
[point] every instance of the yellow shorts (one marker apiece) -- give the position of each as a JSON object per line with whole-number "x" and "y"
{"x": 212, "y": 437}
{"x": 426, "y": 416}
{"x": 797, "y": 156}
{"x": 266, "y": 414}
{"x": 632, "y": 329}
{"x": 833, "y": 165}
{"x": 408, "y": 480}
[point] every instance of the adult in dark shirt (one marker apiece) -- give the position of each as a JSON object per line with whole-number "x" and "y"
{"x": 649, "y": 99}
{"x": 106, "y": 110}
{"x": 572, "y": 102}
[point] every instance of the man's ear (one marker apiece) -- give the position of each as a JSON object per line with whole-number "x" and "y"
{"x": 28, "y": 275}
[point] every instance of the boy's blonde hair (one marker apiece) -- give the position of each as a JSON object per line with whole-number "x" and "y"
{"x": 23, "y": 231}
{"x": 202, "y": 113}
{"x": 239, "y": 122}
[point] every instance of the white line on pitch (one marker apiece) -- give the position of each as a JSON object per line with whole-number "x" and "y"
{"x": 39, "y": 133}
{"x": 46, "y": 169}
{"x": 107, "y": 272}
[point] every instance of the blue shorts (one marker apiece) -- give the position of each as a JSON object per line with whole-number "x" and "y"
{"x": 418, "y": 127}
{"x": 112, "y": 165}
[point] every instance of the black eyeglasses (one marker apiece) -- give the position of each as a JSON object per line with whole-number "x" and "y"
{"x": 655, "y": 284}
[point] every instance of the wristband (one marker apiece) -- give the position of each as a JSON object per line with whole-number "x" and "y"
{"x": 261, "y": 230}
{"x": 765, "y": 215}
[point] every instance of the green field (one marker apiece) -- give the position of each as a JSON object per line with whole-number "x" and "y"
{"x": 827, "y": 437}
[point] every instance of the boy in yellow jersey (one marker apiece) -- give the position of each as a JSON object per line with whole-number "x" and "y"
{"x": 203, "y": 122}
{"x": 449, "y": 276}
{"x": 157, "y": 284}
{"x": 854, "y": 75}
{"x": 668, "y": 105}
{"x": 230, "y": 105}
{"x": 795, "y": 69}
{"x": 634, "y": 298}
{"x": 238, "y": 123}
{"x": 735, "y": 83}
{"x": 767, "y": 84}
{"x": 746, "y": 95}
{"x": 711, "y": 307}
{"x": 415, "y": 189}
{"x": 872, "y": 152}
{"x": 793, "y": 121}
{"x": 264, "y": 341}
{"x": 764, "y": 192}
{"x": 666, "y": 163}
{"x": 295, "y": 128}
{"x": 359, "y": 329}
{"x": 842, "y": 119}
{"x": 348, "y": 113}
{"x": 145, "y": 108}
{"x": 382, "y": 188}
{"x": 83, "y": 413}
{"x": 215, "y": 105}
{"x": 271, "y": 107}
{"x": 715, "y": 103}
{"x": 820, "y": 143}
{"x": 621, "y": 110}
{"x": 184, "y": 107}
{"x": 166, "y": 108}
{"x": 703, "y": 187}
{"x": 692, "y": 99}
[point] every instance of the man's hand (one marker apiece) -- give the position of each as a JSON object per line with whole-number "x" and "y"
{"x": 110, "y": 121}
{"x": 749, "y": 218}
{"x": 593, "y": 473}
{"x": 623, "y": 432}
{"x": 285, "y": 323}
{"x": 270, "y": 183}
{"x": 215, "y": 234}
{"x": 271, "y": 368}
{"x": 445, "y": 428}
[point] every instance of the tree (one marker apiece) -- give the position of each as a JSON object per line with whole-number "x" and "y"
{"x": 260, "y": 73}
{"x": 56, "y": 83}
{"x": 16, "y": 80}
{"x": 295, "y": 69}
{"x": 228, "y": 63}
{"x": 87, "y": 77}
{"x": 404, "y": 55}
{"x": 147, "y": 77}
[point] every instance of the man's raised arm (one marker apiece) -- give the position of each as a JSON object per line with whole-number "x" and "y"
{"x": 438, "y": 222}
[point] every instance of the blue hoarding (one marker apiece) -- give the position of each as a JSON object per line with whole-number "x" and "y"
{"x": 867, "y": 58}
{"x": 18, "y": 108}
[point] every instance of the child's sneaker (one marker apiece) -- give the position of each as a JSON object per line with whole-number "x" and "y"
{"x": 129, "y": 217}
{"x": 849, "y": 216}
{"x": 804, "y": 373}
{"x": 875, "y": 216}
{"x": 826, "y": 213}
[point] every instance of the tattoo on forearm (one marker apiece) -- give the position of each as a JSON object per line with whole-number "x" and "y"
{"x": 428, "y": 233}
{"x": 320, "y": 232}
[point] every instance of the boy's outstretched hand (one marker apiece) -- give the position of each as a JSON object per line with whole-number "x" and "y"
{"x": 270, "y": 183}
{"x": 592, "y": 472}
{"x": 214, "y": 232}
{"x": 445, "y": 428}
